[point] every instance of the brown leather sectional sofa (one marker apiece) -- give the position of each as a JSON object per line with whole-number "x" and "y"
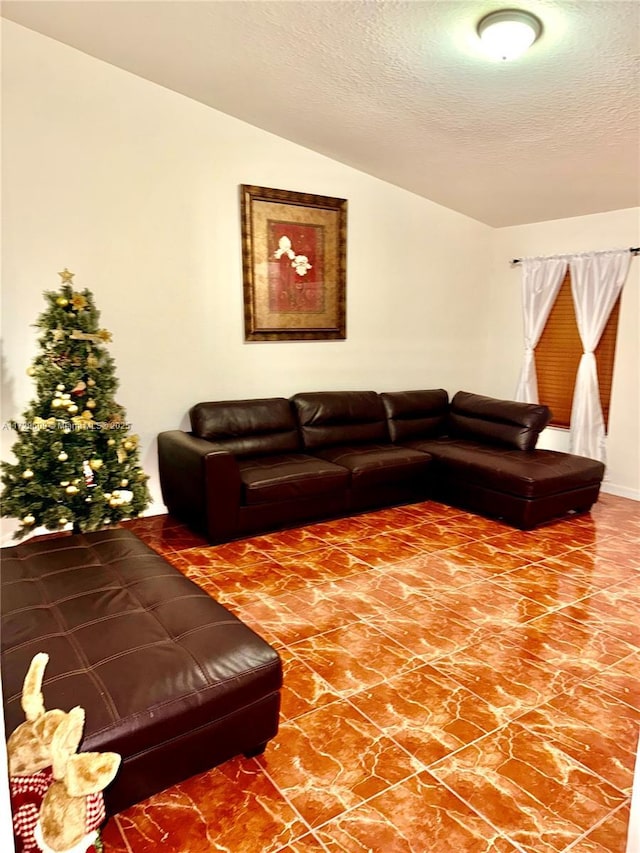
{"x": 249, "y": 466}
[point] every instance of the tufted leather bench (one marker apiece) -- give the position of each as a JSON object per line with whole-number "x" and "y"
{"x": 167, "y": 676}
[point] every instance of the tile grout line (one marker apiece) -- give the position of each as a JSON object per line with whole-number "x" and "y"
{"x": 368, "y": 800}
{"x": 123, "y": 834}
{"x": 308, "y": 828}
{"x": 597, "y": 825}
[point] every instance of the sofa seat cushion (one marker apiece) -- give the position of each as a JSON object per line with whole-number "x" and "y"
{"x": 377, "y": 464}
{"x": 525, "y": 473}
{"x": 289, "y": 476}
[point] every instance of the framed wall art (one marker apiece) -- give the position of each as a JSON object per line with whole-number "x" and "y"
{"x": 294, "y": 265}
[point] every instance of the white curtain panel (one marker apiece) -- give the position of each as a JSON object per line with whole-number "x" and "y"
{"x": 596, "y": 281}
{"x": 541, "y": 281}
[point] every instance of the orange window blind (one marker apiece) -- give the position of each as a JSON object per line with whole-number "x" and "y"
{"x": 558, "y": 355}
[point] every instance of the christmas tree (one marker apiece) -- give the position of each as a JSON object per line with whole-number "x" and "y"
{"x": 77, "y": 462}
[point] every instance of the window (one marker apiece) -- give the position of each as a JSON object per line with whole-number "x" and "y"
{"x": 558, "y": 355}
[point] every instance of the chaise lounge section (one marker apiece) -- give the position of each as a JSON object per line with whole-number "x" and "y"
{"x": 487, "y": 462}
{"x": 249, "y": 466}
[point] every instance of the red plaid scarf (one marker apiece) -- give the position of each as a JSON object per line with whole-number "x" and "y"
{"x": 27, "y": 793}
{"x": 95, "y": 813}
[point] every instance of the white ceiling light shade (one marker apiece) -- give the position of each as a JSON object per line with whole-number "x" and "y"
{"x": 508, "y": 33}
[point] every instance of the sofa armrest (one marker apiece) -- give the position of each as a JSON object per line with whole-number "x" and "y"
{"x": 200, "y": 485}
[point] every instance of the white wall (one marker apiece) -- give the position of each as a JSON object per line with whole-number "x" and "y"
{"x": 504, "y": 346}
{"x": 136, "y": 190}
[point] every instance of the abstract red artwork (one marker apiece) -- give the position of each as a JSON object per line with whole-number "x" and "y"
{"x": 296, "y": 267}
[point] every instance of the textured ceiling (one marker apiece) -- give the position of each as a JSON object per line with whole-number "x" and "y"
{"x": 401, "y": 90}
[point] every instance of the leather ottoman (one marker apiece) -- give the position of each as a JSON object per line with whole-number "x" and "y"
{"x": 168, "y": 677}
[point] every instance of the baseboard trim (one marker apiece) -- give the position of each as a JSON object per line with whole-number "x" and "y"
{"x": 620, "y": 491}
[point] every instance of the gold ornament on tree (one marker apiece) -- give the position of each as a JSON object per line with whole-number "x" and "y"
{"x": 79, "y": 302}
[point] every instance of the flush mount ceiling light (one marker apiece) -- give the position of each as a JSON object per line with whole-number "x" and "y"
{"x": 508, "y": 33}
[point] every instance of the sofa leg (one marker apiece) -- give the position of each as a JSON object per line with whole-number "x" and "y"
{"x": 255, "y": 750}
{"x": 580, "y": 510}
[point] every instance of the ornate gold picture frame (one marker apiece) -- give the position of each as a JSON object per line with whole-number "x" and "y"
{"x": 294, "y": 265}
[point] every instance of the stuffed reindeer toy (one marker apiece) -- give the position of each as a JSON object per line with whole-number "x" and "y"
{"x": 29, "y": 747}
{"x": 43, "y": 767}
{"x": 73, "y": 807}
{"x": 29, "y": 756}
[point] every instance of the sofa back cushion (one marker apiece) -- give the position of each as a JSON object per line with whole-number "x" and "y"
{"x": 416, "y": 414}
{"x": 502, "y": 422}
{"x": 340, "y": 417}
{"x": 247, "y": 427}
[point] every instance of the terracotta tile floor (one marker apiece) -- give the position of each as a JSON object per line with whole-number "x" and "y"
{"x": 451, "y": 684}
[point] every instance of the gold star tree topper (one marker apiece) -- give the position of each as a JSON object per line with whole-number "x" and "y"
{"x": 66, "y": 276}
